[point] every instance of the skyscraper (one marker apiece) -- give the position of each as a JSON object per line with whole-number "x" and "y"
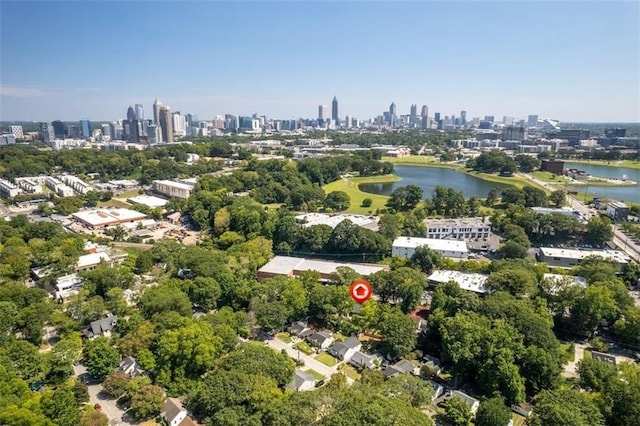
{"x": 334, "y": 111}
{"x": 392, "y": 114}
{"x": 425, "y": 111}
{"x": 48, "y": 134}
{"x": 156, "y": 111}
{"x": 463, "y": 118}
{"x": 131, "y": 126}
{"x": 140, "y": 117}
{"x": 322, "y": 112}
{"x": 166, "y": 123}
{"x": 532, "y": 120}
{"x": 413, "y": 115}
{"x": 85, "y": 128}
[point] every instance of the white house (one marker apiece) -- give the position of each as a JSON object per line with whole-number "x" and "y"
{"x": 345, "y": 350}
{"x": 406, "y": 247}
{"x": 172, "y": 412}
{"x": 301, "y": 381}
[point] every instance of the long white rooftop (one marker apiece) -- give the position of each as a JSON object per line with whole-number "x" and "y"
{"x": 286, "y": 265}
{"x": 469, "y": 282}
{"x": 432, "y": 243}
{"x": 567, "y": 253}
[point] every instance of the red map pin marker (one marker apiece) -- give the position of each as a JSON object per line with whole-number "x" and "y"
{"x": 360, "y": 291}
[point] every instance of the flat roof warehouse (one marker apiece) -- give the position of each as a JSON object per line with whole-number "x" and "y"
{"x": 97, "y": 218}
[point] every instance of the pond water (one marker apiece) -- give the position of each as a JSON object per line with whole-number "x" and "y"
{"x": 428, "y": 177}
{"x": 629, "y": 193}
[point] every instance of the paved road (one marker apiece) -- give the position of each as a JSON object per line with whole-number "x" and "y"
{"x": 309, "y": 362}
{"x": 96, "y": 396}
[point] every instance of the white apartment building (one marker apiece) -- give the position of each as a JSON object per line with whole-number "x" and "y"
{"x": 8, "y": 189}
{"x": 406, "y": 247}
{"x": 16, "y": 131}
{"x": 68, "y": 285}
{"x": 29, "y": 185}
{"x": 58, "y": 187}
{"x": 76, "y": 184}
{"x": 170, "y": 188}
{"x": 458, "y": 229}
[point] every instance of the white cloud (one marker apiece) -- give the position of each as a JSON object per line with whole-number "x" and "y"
{"x": 20, "y": 92}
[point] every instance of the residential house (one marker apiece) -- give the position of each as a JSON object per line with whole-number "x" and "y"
{"x": 469, "y": 400}
{"x": 101, "y": 328}
{"x": 438, "y": 390}
{"x": 433, "y": 363}
{"x": 361, "y": 361}
{"x": 320, "y": 339}
{"x": 345, "y": 350}
{"x": 301, "y": 381}
{"x": 172, "y": 412}
{"x": 299, "y": 329}
{"x": 129, "y": 365}
{"x": 400, "y": 367}
{"x": 524, "y": 409}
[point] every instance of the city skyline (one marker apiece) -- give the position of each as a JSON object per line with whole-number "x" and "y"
{"x": 567, "y": 61}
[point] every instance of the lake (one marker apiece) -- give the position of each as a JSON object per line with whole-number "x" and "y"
{"x": 428, "y": 177}
{"x": 629, "y": 193}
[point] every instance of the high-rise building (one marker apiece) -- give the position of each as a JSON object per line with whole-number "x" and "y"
{"x": 347, "y": 121}
{"x": 60, "y": 129}
{"x": 392, "y": 114}
{"x": 132, "y": 126}
{"x": 17, "y": 132}
{"x": 105, "y": 128}
{"x": 140, "y": 117}
{"x": 323, "y": 112}
{"x": 179, "y": 124}
{"x": 413, "y": 112}
{"x": 166, "y": 123}
{"x": 507, "y": 121}
{"x": 463, "y": 118}
{"x": 532, "y": 121}
{"x": 489, "y": 118}
{"x": 334, "y": 111}
{"x": 154, "y": 134}
{"x": 425, "y": 111}
{"x": 85, "y": 128}
{"x": 48, "y": 134}
{"x": 157, "y": 105}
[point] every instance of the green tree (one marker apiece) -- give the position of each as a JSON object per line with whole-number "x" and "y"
{"x": 337, "y": 200}
{"x": 405, "y": 198}
{"x": 397, "y": 331}
{"x": 163, "y": 299}
{"x": 493, "y": 412}
{"x": 599, "y": 230}
{"x": 367, "y": 202}
{"x": 60, "y": 406}
{"x": 513, "y": 250}
{"x": 565, "y": 408}
{"x": 426, "y": 259}
{"x": 116, "y": 383}
{"x": 456, "y": 412}
{"x": 205, "y": 292}
{"x": 93, "y": 418}
{"x": 147, "y": 403}
{"x": 558, "y": 198}
{"x": 100, "y": 357}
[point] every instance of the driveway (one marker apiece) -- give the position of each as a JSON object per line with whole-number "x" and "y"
{"x": 570, "y": 367}
{"x": 97, "y": 396}
{"x": 309, "y": 362}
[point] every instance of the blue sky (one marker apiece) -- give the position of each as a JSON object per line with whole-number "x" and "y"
{"x": 573, "y": 61}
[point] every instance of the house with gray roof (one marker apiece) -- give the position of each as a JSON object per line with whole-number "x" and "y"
{"x": 345, "y": 350}
{"x": 402, "y": 366}
{"x": 320, "y": 339}
{"x": 299, "y": 329}
{"x": 301, "y": 381}
{"x": 361, "y": 361}
{"x": 101, "y": 328}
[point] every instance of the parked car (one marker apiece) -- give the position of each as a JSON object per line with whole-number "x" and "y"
{"x": 97, "y": 407}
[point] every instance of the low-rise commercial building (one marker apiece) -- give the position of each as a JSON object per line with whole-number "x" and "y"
{"x": 100, "y": 218}
{"x": 173, "y": 189}
{"x": 406, "y": 247}
{"x": 458, "y": 229}
{"x": 148, "y": 200}
{"x": 293, "y": 266}
{"x": 332, "y": 220}
{"x": 568, "y": 258}
{"x": 618, "y": 210}
{"x": 466, "y": 281}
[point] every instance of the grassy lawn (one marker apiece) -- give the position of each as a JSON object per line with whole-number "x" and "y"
{"x": 127, "y": 194}
{"x": 350, "y": 186}
{"x": 587, "y": 354}
{"x": 326, "y": 359}
{"x": 351, "y": 372}
{"x": 419, "y": 160}
{"x": 317, "y": 376}
{"x": 283, "y": 337}
{"x": 549, "y": 177}
{"x": 516, "y": 180}
{"x": 304, "y": 347}
{"x": 339, "y": 337}
{"x": 568, "y": 350}
{"x": 114, "y": 203}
